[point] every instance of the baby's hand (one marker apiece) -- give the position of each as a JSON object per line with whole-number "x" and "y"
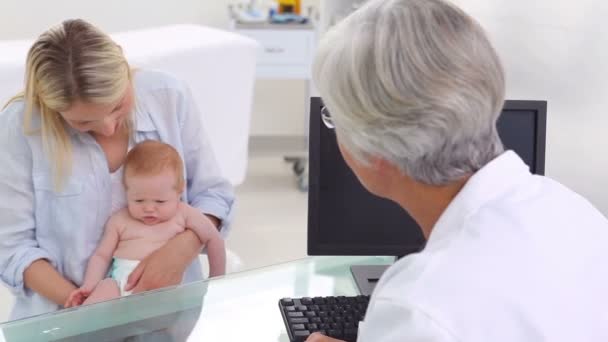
{"x": 78, "y": 296}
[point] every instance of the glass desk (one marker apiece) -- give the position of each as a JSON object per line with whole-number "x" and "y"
{"x": 237, "y": 307}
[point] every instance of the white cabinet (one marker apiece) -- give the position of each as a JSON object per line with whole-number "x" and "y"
{"x": 285, "y": 52}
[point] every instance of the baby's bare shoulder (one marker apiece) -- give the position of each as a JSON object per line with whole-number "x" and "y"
{"x": 120, "y": 218}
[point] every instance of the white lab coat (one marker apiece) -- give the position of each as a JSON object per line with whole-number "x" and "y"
{"x": 515, "y": 257}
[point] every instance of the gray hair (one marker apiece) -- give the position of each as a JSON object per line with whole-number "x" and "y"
{"x": 415, "y": 82}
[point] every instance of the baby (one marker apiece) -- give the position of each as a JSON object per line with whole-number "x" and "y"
{"x": 153, "y": 180}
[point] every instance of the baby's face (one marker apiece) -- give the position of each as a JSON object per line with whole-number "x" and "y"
{"x": 152, "y": 199}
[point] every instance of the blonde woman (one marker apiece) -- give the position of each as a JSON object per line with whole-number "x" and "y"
{"x": 64, "y": 141}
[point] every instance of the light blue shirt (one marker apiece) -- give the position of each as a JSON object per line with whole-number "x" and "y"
{"x": 65, "y": 227}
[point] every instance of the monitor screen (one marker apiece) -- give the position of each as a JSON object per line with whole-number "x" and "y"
{"x": 345, "y": 219}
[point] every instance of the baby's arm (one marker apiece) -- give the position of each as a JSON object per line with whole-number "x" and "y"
{"x": 100, "y": 261}
{"x": 210, "y": 236}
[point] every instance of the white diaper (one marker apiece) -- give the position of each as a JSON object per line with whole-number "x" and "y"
{"x": 120, "y": 271}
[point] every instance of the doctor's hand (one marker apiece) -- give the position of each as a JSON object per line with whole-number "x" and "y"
{"x": 316, "y": 337}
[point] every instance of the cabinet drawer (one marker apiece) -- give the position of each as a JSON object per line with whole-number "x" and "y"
{"x": 285, "y": 47}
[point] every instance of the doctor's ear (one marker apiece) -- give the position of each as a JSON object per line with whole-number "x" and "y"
{"x": 384, "y": 167}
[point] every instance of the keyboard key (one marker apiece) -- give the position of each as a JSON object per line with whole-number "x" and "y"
{"x": 298, "y": 320}
{"x": 331, "y": 300}
{"x": 287, "y": 301}
{"x": 349, "y": 325}
{"x": 318, "y": 300}
{"x": 336, "y": 326}
{"x": 295, "y": 314}
{"x": 327, "y": 319}
{"x": 290, "y": 308}
{"x": 301, "y": 335}
{"x": 323, "y": 314}
{"x": 301, "y": 308}
{"x": 298, "y": 327}
{"x": 341, "y": 299}
{"x": 312, "y": 326}
{"x": 310, "y": 314}
{"x": 306, "y": 301}
{"x": 325, "y": 326}
{"x": 314, "y": 308}
{"x": 315, "y": 320}
{"x": 335, "y": 333}
{"x": 350, "y": 333}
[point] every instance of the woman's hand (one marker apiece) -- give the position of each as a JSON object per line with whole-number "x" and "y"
{"x": 166, "y": 266}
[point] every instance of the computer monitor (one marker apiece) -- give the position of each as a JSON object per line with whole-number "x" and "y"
{"x": 345, "y": 219}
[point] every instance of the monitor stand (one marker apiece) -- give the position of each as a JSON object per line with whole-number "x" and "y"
{"x": 367, "y": 276}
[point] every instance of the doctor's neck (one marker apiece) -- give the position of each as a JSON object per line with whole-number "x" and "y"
{"x": 425, "y": 203}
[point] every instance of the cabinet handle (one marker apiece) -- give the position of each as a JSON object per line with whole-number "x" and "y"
{"x": 274, "y": 50}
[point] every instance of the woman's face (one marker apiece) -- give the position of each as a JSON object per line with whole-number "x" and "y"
{"x": 100, "y": 119}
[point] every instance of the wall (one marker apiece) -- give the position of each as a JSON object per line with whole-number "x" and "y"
{"x": 557, "y": 50}
{"x": 27, "y": 18}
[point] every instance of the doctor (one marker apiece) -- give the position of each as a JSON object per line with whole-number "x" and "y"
{"x": 414, "y": 89}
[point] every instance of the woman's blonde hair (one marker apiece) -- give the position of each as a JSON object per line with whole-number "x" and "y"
{"x": 71, "y": 61}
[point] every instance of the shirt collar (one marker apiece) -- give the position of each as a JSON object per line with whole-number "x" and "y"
{"x": 494, "y": 180}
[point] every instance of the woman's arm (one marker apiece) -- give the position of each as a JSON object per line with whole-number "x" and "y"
{"x": 41, "y": 277}
{"x": 207, "y": 190}
{"x": 44, "y": 279}
{"x": 23, "y": 264}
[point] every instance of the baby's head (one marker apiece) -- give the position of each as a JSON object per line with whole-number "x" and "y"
{"x": 154, "y": 180}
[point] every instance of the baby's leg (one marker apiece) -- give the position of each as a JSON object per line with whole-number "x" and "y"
{"x": 106, "y": 289}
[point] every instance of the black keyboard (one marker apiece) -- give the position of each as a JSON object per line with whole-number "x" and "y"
{"x": 336, "y": 317}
